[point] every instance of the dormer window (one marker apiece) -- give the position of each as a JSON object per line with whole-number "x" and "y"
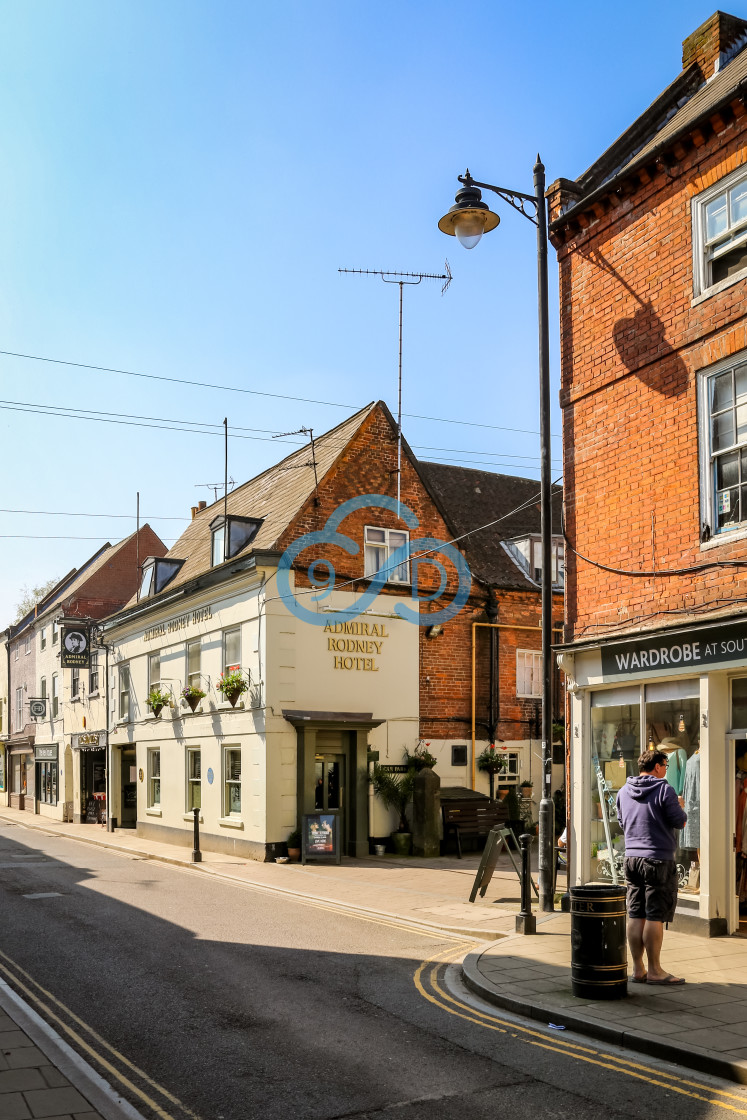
{"x": 526, "y": 552}
{"x": 241, "y": 532}
{"x": 157, "y": 573}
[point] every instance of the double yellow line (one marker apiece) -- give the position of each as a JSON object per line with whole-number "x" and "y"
{"x": 102, "y": 1053}
{"x": 429, "y": 986}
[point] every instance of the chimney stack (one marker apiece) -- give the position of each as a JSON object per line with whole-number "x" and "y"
{"x": 194, "y": 512}
{"x": 711, "y": 41}
{"x": 201, "y": 506}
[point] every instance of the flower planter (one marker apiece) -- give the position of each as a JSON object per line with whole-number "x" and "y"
{"x": 156, "y": 709}
{"x": 193, "y": 701}
{"x": 233, "y": 697}
{"x": 294, "y": 854}
{"x": 401, "y": 842}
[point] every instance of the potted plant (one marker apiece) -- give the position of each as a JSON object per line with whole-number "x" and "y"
{"x": 232, "y": 685}
{"x": 491, "y": 763}
{"x": 157, "y": 699}
{"x": 558, "y": 732}
{"x": 395, "y": 790}
{"x": 294, "y": 845}
{"x": 421, "y": 758}
{"x": 192, "y": 695}
{"x": 526, "y": 788}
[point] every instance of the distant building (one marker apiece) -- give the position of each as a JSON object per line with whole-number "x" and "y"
{"x": 55, "y": 763}
{"x": 338, "y": 655}
{"x": 652, "y": 246}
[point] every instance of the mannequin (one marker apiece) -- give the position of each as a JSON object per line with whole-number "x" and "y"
{"x": 690, "y": 835}
{"x": 677, "y": 765}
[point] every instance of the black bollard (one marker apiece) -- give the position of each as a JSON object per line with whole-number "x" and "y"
{"x": 525, "y": 919}
{"x": 196, "y": 853}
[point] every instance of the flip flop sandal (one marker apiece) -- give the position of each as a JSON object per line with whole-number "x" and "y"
{"x": 639, "y": 980}
{"x": 669, "y": 981}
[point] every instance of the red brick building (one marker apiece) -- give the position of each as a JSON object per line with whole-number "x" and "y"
{"x": 652, "y": 249}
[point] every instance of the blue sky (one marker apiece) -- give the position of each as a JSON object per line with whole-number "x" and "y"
{"x": 180, "y": 183}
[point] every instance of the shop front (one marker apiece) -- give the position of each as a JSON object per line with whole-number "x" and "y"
{"x": 89, "y": 749}
{"x": 683, "y": 692}
{"x": 47, "y": 774}
{"x": 3, "y": 782}
{"x": 20, "y": 765}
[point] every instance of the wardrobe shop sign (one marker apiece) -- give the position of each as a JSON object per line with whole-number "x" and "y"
{"x": 688, "y": 649}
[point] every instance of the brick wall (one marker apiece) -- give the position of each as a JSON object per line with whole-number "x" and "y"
{"x": 632, "y": 342}
{"x": 116, "y": 581}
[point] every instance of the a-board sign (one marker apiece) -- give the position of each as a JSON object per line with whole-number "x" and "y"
{"x": 93, "y": 814}
{"x": 497, "y": 840}
{"x": 320, "y": 837}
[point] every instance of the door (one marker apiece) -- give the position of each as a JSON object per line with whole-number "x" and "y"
{"x": 329, "y": 788}
{"x": 128, "y": 801}
{"x": 739, "y": 865}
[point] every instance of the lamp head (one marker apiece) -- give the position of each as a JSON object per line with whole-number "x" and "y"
{"x": 469, "y": 218}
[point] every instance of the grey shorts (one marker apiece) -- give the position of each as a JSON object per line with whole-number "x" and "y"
{"x": 652, "y": 888}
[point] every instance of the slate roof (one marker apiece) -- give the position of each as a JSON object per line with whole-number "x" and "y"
{"x": 275, "y": 495}
{"x": 471, "y": 498}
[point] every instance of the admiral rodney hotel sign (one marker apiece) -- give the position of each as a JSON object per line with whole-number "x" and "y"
{"x": 687, "y": 649}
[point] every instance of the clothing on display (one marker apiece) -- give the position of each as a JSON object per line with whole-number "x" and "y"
{"x": 677, "y": 768}
{"x": 690, "y": 836}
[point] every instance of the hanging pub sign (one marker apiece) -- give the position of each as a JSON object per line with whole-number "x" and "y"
{"x": 75, "y": 650}
{"x": 38, "y": 707}
{"x": 320, "y": 837}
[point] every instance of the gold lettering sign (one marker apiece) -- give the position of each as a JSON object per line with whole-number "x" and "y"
{"x": 181, "y": 622}
{"x": 366, "y": 638}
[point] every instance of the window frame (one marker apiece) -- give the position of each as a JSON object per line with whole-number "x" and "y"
{"x": 708, "y": 459}
{"x": 19, "y": 709}
{"x": 229, "y": 783}
{"x": 93, "y": 673}
{"x": 75, "y": 683}
{"x": 154, "y": 679}
{"x": 191, "y": 782}
{"x": 196, "y": 673}
{"x": 154, "y": 776}
{"x": 536, "y": 656}
{"x": 224, "y": 656}
{"x": 124, "y": 671}
{"x": 702, "y": 288}
{"x": 43, "y": 638}
{"x": 55, "y": 631}
{"x": 27, "y": 643}
{"x": 42, "y": 688}
{"x": 391, "y": 576}
{"x": 55, "y": 695}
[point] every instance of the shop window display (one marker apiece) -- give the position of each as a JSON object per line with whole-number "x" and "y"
{"x": 671, "y": 723}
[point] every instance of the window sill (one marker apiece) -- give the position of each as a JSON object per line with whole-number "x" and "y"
{"x": 717, "y": 539}
{"x": 153, "y": 813}
{"x": 230, "y": 822}
{"x": 722, "y": 285}
{"x": 190, "y": 817}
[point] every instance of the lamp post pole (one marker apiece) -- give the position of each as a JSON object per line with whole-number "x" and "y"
{"x": 468, "y": 219}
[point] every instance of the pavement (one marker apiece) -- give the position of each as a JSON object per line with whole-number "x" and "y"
{"x": 701, "y": 1024}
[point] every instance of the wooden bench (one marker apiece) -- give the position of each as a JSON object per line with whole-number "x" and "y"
{"x": 471, "y": 819}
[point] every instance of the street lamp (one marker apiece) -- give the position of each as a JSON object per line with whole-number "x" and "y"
{"x": 468, "y": 219}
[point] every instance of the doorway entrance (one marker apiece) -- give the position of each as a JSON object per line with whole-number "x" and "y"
{"x": 128, "y": 800}
{"x": 740, "y": 832}
{"x": 93, "y": 786}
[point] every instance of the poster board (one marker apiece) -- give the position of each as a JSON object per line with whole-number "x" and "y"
{"x": 320, "y": 837}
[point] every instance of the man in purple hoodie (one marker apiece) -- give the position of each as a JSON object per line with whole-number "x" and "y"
{"x": 649, "y": 813}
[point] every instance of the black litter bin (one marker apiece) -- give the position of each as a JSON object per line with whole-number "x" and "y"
{"x": 599, "y": 959}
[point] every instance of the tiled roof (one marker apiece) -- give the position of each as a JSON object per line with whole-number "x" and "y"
{"x": 471, "y": 498}
{"x": 276, "y": 495}
{"x": 687, "y": 101}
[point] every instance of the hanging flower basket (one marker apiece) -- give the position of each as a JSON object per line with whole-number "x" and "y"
{"x": 490, "y": 761}
{"x": 232, "y": 686}
{"x": 192, "y": 696}
{"x": 157, "y": 701}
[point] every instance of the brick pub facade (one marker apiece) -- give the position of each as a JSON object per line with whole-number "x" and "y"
{"x": 652, "y": 249}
